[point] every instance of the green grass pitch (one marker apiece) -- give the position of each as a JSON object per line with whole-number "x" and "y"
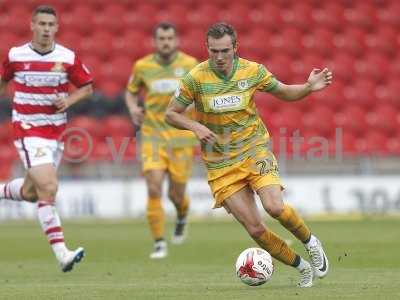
{"x": 364, "y": 262}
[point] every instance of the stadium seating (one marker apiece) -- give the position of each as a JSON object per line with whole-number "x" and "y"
{"x": 358, "y": 40}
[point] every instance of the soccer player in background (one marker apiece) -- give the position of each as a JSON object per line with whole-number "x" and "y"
{"x": 42, "y": 70}
{"x": 234, "y": 144}
{"x": 165, "y": 150}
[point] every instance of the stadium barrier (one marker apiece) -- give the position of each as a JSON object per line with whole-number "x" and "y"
{"x": 311, "y": 195}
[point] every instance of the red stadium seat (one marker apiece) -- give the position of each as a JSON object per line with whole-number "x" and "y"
{"x": 303, "y": 66}
{"x": 320, "y": 42}
{"x": 117, "y": 126}
{"x": 237, "y": 15}
{"x": 69, "y": 20}
{"x": 299, "y": 16}
{"x": 342, "y": 65}
{"x": 383, "y": 41}
{"x": 332, "y": 96}
{"x": 287, "y": 120}
{"x": 266, "y": 100}
{"x": 384, "y": 118}
{"x": 345, "y": 142}
{"x": 110, "y": 88}
{"x": 281, "y": 66}
{"x": 393, "y": 145}
{"x": 142, "y": 18}
{"x": 255, "y": 50}
{"x": 389, "y": 16}
{"x": 373, "y": 143}
{"x": 117, "y": 70}
{"x": 389, "y": 93}
{"x": 288, "y": 42}
{"x": 69, "y": 38}
{"x": 86, "y": 127}
{"x": 273, "y": 22}
{"x": 127, "y": 44}
{"x": 101, "y": 152}
{"x": 351, "y": 41}
{"x": 394, "y": 67}
{"x": 110, "y": 18}
{"x": 97, "y": 44}
{"x": 8, "y": 155}
{"x": 330, "y": 16}
{"x": 194, "y": 44}
{"x": 19, "y": 12}
{"x": 319, "y": 119}
{"x": 203, "y": 17}
{"x": 352, "y": 119}
{"x": 363, "y": 15}
{"x": 362, "y": 92}
{"x": 367, "y": 67}
{"x": 176, "y": 14}
{"x": 6, "y": 130}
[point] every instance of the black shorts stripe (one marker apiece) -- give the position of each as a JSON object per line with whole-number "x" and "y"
{"x": 28, "y": 161}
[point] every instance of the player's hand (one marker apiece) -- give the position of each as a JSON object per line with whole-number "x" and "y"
{"x": 319, "y": 79}
{"x": 137, "y": 115}
{"x": 62, "y": 104}
{"x": 205, "y": 135}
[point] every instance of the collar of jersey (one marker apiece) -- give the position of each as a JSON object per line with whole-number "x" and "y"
{"x": 155, "y": 57}
{"x": 221, "y": 75}
{"x": 42, "y": 53}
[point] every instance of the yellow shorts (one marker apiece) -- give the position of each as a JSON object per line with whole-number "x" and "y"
{"x": 177, "y": 161}
{"x": 257, "y": 172}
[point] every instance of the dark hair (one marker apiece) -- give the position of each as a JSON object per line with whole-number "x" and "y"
{"x": 218, "y": 30}
{"x": 164, "y": 26}
{"x": 44, "y": 9}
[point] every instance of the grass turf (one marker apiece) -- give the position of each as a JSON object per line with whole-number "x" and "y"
{"x": 363, "y": 257}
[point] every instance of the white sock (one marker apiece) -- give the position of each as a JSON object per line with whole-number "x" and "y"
{"x": 311, "y": 242}
{"x": 12, "y": 190}
{"x": 51, "y": 225}
{"x": 302, "y": 265}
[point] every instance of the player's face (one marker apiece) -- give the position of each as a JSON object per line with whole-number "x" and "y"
{"x": 166, "y": 41}
{"x": 221, "y": 52}
{"x": 44, "y": 27}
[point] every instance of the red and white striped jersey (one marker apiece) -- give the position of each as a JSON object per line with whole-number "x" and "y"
{"x": 39, "y": 79}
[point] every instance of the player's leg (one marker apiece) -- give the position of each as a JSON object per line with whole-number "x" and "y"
{"x": 154, "y": 168}
{"x": 19, "y": 189}
{"x": 243, "y": 207}
{"x": 179, "y": 170}
{"x": 271, "y": 198}
{"x": 44, "y": 179}
{"x": 155, "y": 212}
{"x": 41, "y": 158}
{"x": 176, "y": 193}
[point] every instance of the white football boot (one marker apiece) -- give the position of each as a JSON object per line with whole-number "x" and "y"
{"x": 306, "y": 276}
{"x": 160, "y": 250}
{"x": 318, "y": 259}
{"x": 180, "y": 232}
{"x": 70, "y": 258}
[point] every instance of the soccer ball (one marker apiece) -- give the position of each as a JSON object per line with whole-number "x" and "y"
{"x": 254, "y": 266}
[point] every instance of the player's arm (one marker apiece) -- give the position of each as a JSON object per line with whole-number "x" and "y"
{"x": 174, "y": 116}
{"x": 62, "y": 103}
{"x": 316, "y": 81}
{"x": 135, "y": 110}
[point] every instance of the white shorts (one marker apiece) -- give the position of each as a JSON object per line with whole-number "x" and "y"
{"x": 35, "y": 151}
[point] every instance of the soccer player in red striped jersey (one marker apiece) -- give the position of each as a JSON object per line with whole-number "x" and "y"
{"x": 41, "y": 71}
